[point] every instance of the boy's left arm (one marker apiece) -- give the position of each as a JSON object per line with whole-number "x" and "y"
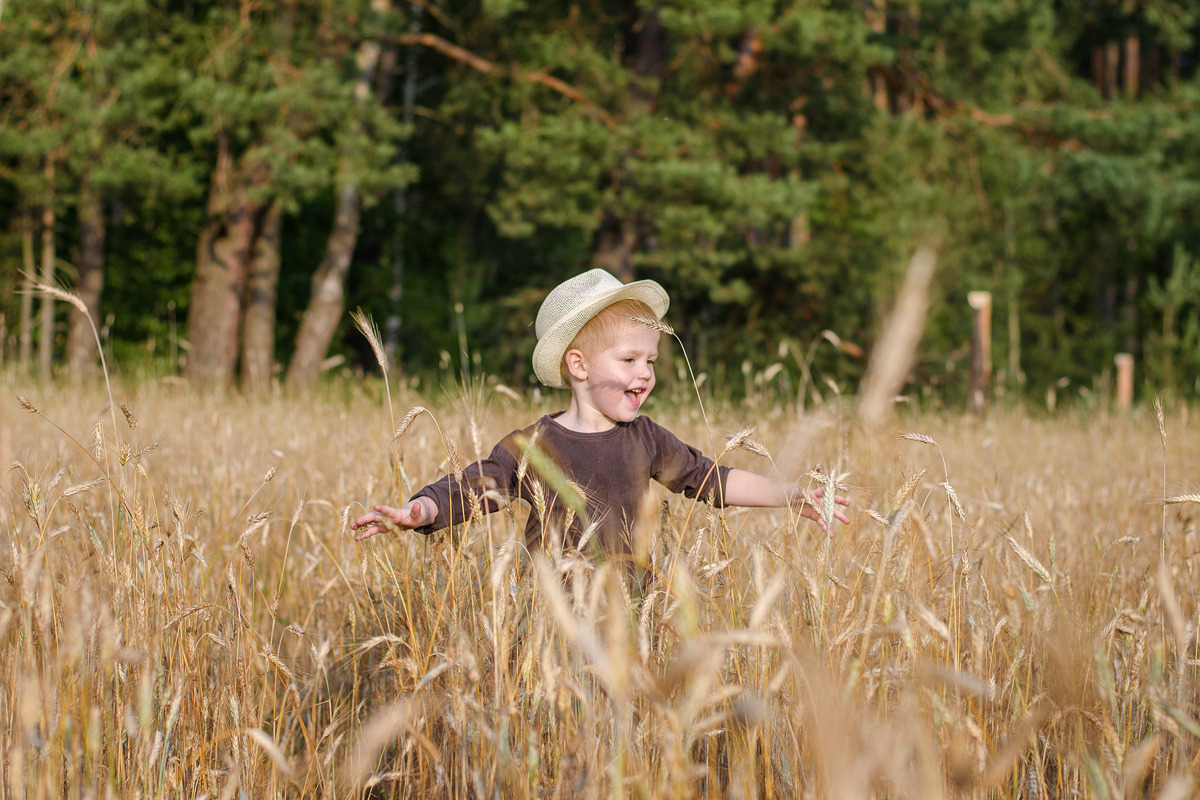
{"x": 744, "y": 488}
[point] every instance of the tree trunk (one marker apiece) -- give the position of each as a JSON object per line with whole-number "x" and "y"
{"x": 877, "y": 22}
{"x": 46, "y": 315}
{"x": 1170, "y": 341}
{"x": 81, "y": 341}
{"x": 324, "y": 310}
{"x": 1133, "y": 64}
{"x": 615, "y": 241}
{"x": 1153, "y": 66}
{"x": 1112, "y": 67}
{"x": 1014, "y": 340}
{"x": 221, "y": 263}
{"x": 908, "y": 99}
{"x": 25, "y": 338}
{"x": 613, "y": 248}
{"x": 1131, "y": 313}
{"x": 649, "y": 53}
{"x": 262, "y": 287}
{"x": 391, "y": 328}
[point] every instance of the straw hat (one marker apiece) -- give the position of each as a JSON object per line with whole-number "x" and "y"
{"x": 571, "y": 304}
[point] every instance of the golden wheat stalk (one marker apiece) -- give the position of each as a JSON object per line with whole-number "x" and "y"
{"x": 412, "y": 414}
{"x": 75, "y": 300}
{"x": 898, "y": 518}
{"x": 272, "y": 749}
{"x": 79, "y": 488}
{"x": 1028, "y": 558}
{"x": 958, "y": 506}
{"x": 742, "y": 440}
{"x": 187, "y": 612}
{"x": 545, "y": 467}
{"x": 908, "y": 486}
{"x": 129, "y": 417}
{"x": 1159, "y": 420}
{"x": 655, "y": 324}
{"x": 919, "y": 437}
{"x": 1171, "y": 609}
{"x": 367, "y": 327}
{"x": 659, "y": 325}
{"x": 893, "y": 354}
{"x": 734, "y": 441}
{"x": 1162, "y": 437}
{"x": 97, "y": 456}
{"x": 828, "y": 502}
{"x": 378, "y": 731}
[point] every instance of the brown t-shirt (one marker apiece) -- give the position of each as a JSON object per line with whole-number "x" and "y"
{"x": 613, "y": 468}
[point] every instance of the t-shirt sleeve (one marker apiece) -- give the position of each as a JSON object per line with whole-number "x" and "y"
{"x": 496, "y": 474}
{"x": 682, "y": 468}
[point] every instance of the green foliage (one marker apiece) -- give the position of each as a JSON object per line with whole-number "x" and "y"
{"x": 1173, "y": 352}
{"x": 773, "y": 164}
{"x": 552, "y": 173}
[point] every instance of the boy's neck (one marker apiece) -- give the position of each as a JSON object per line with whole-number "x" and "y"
{"x": 576, "y": 418}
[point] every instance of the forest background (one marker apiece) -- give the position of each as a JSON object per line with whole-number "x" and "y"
{"x": 220, "y": 182}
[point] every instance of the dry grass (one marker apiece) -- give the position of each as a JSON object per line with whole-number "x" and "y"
{"x": 194, "y": 619}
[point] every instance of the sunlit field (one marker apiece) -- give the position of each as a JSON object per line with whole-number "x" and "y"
{"x": 1012, "y": 611}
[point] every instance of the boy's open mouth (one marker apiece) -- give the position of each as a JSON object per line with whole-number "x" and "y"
{"x": 636, "y": 396}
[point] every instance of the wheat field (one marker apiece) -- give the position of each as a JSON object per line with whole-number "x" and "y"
{"x": 1012, "y": 611}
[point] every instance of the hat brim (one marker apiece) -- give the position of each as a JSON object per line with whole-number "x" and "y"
{"x": 552, "y": 346}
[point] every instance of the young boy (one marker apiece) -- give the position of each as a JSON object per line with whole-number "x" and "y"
{"x": 599, "y": 338}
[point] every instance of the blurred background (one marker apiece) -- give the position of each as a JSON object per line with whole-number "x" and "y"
{"x": 222, "y": 183}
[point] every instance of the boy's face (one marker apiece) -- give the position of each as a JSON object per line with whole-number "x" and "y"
{"x": 621, "y": 376}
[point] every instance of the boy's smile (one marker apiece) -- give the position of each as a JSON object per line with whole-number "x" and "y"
{"x": 612, "y": 385}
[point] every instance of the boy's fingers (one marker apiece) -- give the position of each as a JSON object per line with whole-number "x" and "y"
{"x": 383, "y": 518}
{"x": 811, "y": 513}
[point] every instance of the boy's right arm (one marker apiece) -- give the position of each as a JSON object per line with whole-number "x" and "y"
{"x": 412, "y": 514}
{"x": 446, "y": 501}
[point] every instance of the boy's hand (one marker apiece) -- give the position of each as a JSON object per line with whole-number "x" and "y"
{"x": 411, "y": 515}
{"x": 812, "y": 500}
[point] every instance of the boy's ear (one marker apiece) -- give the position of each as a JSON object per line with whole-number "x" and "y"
{"x": 575, "y": 366}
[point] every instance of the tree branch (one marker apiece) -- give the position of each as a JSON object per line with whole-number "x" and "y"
{"x": 480, "y": 64}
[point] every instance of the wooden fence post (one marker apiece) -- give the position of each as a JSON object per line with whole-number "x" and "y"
{"x": 981, "y": 350}
{"x": 1124, "y": 362}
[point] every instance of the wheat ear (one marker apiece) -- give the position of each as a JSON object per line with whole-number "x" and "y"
{"x": 367, "y": 327}
{"x": 74, "y": 299}
{"x": 659, "y": 325}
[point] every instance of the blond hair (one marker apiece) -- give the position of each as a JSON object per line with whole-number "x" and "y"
{"x": 601, "y": 331}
